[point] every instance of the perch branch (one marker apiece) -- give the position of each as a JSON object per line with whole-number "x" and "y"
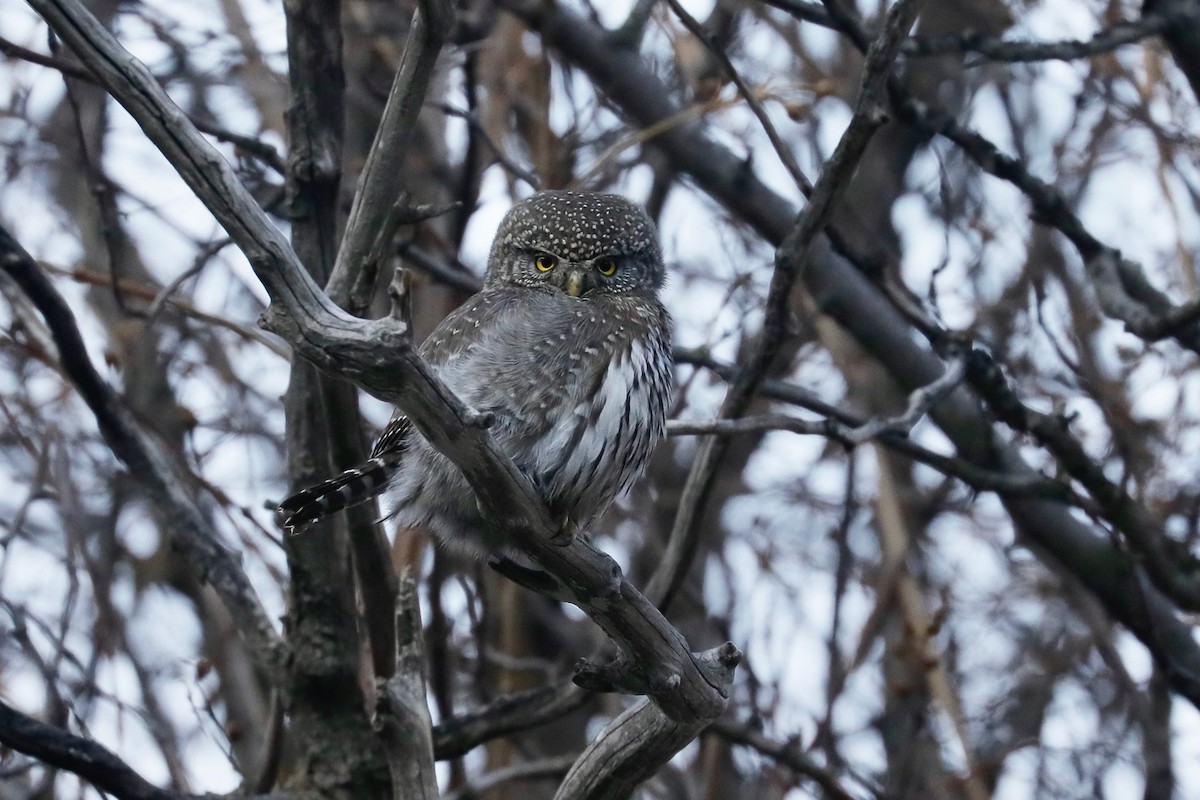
{"x": 636, "y": 743}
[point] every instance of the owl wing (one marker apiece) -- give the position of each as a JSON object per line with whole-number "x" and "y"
{"x": 459, "y": 350}
{"x": 458, "y": 336}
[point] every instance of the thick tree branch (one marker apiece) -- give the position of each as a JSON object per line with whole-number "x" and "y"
{"x": 633, "y": 746}
{"x": 323, "y": 428}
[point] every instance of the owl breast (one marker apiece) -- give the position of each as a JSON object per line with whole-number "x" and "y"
{"x": 596, "y": 451}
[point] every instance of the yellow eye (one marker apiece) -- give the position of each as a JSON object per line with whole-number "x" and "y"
{"x": 607, "y": 267}
{"x": 545, "y": 263}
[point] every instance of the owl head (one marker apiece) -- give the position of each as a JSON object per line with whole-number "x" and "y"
{"x": 580, "y": 243}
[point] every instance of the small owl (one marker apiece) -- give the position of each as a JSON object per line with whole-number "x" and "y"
{"x": 566, "y": 345}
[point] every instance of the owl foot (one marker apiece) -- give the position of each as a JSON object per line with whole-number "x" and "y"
{"x": 568, "y": 531}
{"x": 480, "y": 419}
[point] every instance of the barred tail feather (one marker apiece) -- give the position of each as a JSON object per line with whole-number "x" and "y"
{"x": 352, "y": 487}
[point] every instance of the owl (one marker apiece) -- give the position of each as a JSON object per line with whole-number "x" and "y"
{"x": 567, "y": 346}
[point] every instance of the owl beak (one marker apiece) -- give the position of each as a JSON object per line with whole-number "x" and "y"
{"x": 576, "y": 283}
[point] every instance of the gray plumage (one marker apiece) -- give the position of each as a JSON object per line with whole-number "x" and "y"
{"x": 567, "y": 345}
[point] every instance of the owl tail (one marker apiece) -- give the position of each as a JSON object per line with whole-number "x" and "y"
{"x": 352, "y": 487}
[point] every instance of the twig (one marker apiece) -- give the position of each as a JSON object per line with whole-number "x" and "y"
{"x": 789, "y": 259}
{"x": 442, "y": 273}
{"x": 541, "y": 769}
{"x": 93, "y": 762}
{"x": 789, "y": 754}
{"x": 505, "y": 161}
{"x": 149, "y": 293}
{"x": 920, "y": 403}
{"x": 255, "y": 147}
{"x": 976, "y": 477}
{"x": 679, "y": 119}
{"x": 203, "y": 256}
{"x": 147, "y": 464}
{"x": 993, "y": 48}
{"x": 756, "y": 107}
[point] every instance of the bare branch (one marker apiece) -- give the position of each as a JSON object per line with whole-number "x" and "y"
{"x": 481, "y": 131}
{"x": 1120, "y": 285}
{"x": 635, "y": 744}
{"x": 256, "y": 147}
{"x": 756, "y": 107}
{"x": 508, "y": 714}
{"x": 789, "y": 260}
{"x": 402, "y": 714}
{"x": 377, "y": 194}
{"x": 920, "y": 403}
{"x": 91, "y": 761}
{"x": 1143, "y": 532}
{"x": 993, "y": 48}
{"x": 789, "y": 754}
{"x": 151, "y": 294}
{"x": 148, "y": 465}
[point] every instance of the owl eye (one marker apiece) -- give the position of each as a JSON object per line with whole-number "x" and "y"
{"x": 607, "y": 267}
{"x": 545, "y": 263}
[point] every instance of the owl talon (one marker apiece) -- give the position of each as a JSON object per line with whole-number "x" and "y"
{"x": 480, "y": 419}
{"x": 568, "y": 531}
